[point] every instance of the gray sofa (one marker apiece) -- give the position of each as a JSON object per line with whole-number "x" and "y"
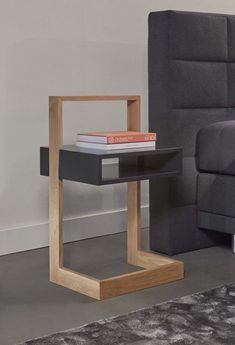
{"x": 191, "y": 63}
{"x": 215, "y": 161}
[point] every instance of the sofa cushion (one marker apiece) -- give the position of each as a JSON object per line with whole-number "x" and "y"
{"x": 198, "y": 36}
{"x": 196, "y": 84}
{"x": 216, "y": 194}
{"x": 215, "y": 148}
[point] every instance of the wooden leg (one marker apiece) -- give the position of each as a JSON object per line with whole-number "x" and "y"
{"x": 139, "y": 280}
{"x": 133, "y": 223}
{"x": 133, "y": 115}
{"x": 55, "y": 188}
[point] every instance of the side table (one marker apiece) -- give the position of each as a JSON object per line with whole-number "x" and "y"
{"x": 71, "y": 163}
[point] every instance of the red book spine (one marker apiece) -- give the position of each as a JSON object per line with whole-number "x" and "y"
{"x": 131, "y": 138}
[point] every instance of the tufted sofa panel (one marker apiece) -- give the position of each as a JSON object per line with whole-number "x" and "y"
{"x": 191, "y": 69}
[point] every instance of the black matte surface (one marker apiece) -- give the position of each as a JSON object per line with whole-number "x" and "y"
{"x": 87, "y": 167}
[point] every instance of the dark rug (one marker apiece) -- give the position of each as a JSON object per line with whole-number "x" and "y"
{"x": 202, "y": 318}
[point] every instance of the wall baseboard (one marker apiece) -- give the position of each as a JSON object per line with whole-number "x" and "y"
{"x": 18, "y": 239}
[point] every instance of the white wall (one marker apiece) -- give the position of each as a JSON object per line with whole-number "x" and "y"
{"x": 68, "y": 47}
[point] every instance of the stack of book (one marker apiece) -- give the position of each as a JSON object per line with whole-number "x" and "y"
{"x": 121, "y": 140}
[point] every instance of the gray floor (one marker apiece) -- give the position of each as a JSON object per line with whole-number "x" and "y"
{"x": 31, "y": 307}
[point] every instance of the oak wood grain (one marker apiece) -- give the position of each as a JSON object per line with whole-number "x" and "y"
{"x": 55, "y": 187}
{"x": 141, "y": 280}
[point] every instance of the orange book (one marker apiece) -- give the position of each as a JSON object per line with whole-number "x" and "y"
{"x": 116, "y": 137}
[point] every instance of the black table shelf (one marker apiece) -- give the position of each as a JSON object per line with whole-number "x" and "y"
{"x": 90, "y": 167}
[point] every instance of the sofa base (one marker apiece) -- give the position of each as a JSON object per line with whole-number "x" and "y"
{"x": 216, "y": 222}
{"x": 170, "y": 232}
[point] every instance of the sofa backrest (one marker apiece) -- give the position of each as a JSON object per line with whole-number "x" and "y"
{"x": 191, "y": 74}
{"x": 191, "y": 66}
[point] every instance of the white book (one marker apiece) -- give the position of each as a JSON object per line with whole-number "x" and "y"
{"x": 116, "y": 137}
{"x": 122, "y": 146}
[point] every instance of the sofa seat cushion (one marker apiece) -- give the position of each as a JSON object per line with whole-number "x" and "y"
{"x": 215, "y": 148}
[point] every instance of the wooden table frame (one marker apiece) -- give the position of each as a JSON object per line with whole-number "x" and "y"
{"x": 157, "y": 269}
